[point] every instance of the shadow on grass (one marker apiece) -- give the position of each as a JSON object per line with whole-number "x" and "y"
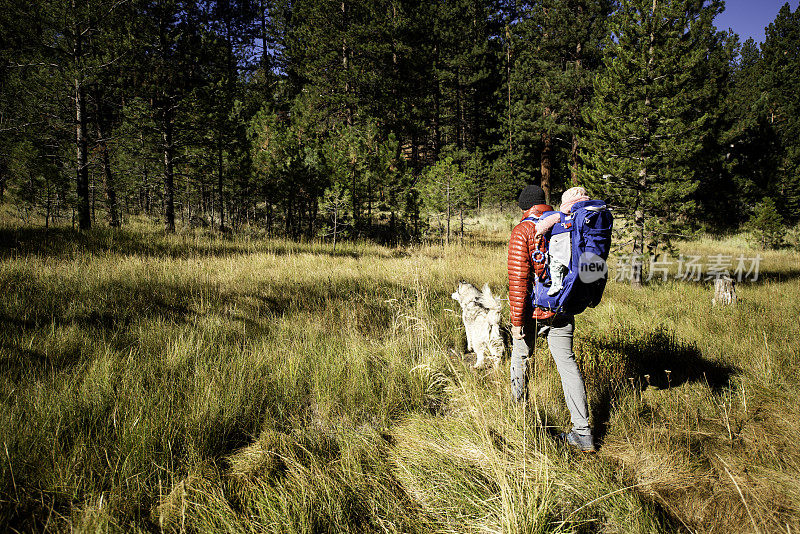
{"x": 656, "y": 359}
{"x": 108, "y": 306}
{"x": 17, "y": 361}
{"x": 69, "y": 243}
{"x": 32, "y": 303}
{"x": 765, "y": 276}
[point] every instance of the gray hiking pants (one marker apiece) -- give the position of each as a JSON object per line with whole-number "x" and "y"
{"x": 559, "y": 339}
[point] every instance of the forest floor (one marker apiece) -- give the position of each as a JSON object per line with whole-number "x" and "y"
{"x": 203, "y": 384}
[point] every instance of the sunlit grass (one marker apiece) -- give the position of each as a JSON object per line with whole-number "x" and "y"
{"x": 245, "y": 385}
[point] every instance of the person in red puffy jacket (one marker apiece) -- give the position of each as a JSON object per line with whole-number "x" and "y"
{"x": 527, "y": 322}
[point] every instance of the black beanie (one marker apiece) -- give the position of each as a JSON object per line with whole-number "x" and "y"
{"x": 531, "y": 196}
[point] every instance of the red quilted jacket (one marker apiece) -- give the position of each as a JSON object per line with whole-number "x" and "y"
{"x": 520, "y": 271}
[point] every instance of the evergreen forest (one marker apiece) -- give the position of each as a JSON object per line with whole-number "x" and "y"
{"x": 381, "y": 119}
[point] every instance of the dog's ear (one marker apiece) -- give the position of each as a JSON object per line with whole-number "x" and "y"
{"x": 457, "y": 293}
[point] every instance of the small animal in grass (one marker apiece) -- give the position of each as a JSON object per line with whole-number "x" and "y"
{"x": 480, "y": 311}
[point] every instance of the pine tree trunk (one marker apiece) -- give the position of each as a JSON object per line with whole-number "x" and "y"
{"x": 82, "y": 166}
{"x": 638, "y": 245}
{"x": 393, "y": 113}
{"x": 448, "y": 215}
{"x": 546, "y": 165}
{"x": 476, "y": 122}
{"x": 356, "y": 203}
{"x": 93, "y": 196}
{"x": 111, "y": 191}
{"x": 639, "y": 214}
{"x": 437, "y": 96}
{"x": 461, "y": 215}
{"x": 48, "y": 207}
{"x": 510, "y": 156}
{"x": 169, "y": 178}
{"x": 264, "y": 55}
{"x": 144, "y": 191}
{"x": 574, "y": 160}
{"x": 312, "y": 216}
{"x": 459, "y": 112}
{"x": 369, "y": 199}
{"x": 3, "y": 178}
{"x": 575, "y": 117}
{"x": 269, "y": 218}
{"x": 84, "y": 214}
{"x": 392, "y": 229}
{"x": 335, "y": 225}
{"x": 290, "y": 215}
{"x": 345, "y": 66}
{"x": 231, "y": 76}
{"x": 415, "y": 164}
{"x": 220, "y": 179}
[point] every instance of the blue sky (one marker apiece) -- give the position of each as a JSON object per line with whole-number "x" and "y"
{"x": 748, "y": 18}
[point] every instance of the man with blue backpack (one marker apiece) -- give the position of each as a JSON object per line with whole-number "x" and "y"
{"x": 534, "y": 311}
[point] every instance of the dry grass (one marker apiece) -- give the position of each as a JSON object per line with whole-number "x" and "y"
{"x": 193, "y": 383}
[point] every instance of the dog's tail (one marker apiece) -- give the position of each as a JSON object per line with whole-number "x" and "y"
{"x": 490, "y": 301}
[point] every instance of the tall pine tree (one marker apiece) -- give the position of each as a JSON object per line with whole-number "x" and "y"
{"x": 780, "y": 82}
{"x": 651, "y": 115}
{"x": 750, "y": 148}
{"x": 558, "y": 56}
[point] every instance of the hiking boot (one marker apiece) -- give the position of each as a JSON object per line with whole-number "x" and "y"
{"x": 582, "y": 443}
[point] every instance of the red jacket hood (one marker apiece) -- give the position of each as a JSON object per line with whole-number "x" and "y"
{"x": 535, "y": 211}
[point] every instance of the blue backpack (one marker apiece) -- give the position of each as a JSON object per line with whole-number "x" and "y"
{"x": 584, "y": 239}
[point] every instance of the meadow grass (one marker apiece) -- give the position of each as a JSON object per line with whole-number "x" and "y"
{"x": 198, "y": 383}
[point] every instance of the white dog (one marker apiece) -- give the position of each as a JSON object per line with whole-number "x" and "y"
{"x": 481, "y": 316}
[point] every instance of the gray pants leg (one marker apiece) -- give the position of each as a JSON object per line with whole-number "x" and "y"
{"x": 559, "y": 339}
{"x": 519, "y": 369}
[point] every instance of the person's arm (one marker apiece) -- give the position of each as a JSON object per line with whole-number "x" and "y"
{"x": 544, "y": 226}
{"x": 519, "y": 268}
